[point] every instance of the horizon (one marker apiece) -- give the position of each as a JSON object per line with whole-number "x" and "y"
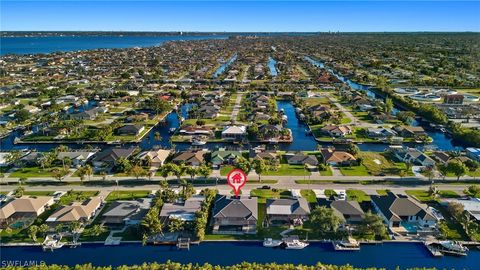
{"x": 240, "y": 16}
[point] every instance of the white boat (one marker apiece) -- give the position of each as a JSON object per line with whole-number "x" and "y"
{"x": 295, "y": 244}
{"x": 198, "y": 141}
{"x": 269, "y": 242}
{"x": 350, "y": 244}
{"x": 52, "y": 242}
{"x": 453, "y": 247}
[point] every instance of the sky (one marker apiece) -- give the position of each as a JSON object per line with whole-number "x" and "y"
{"x": 243, "y": 16}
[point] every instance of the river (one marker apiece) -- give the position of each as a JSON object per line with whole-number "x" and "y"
{"x": 387, "y": 255}
{"x": 33, "y": 45}
{"x": 272, "y": 67}
{"x": 224, "y": 66}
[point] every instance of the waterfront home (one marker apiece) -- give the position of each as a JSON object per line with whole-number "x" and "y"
{"x": 76, "y": 211}
{"x": 130, "y": 129}
{"x": 235, "y": 215}
{"x": 473, "y": 153}
{"x": 109, "y": 157}
{"x": 401, "y": 212}
{"x": 413, "y": 156}
{"x": 333, "y": 157}
{"x": 190, "y": 158}
{"x": 195, "y": 130}
{"x": 84, "y": 115}
{"x": 267, "y": 155}
{"x": 156, "y": 158}
{"x": 410, "y": 131}
{"x": 336, "y": 131}
{"x": 223, "y": 157}
{"x": 268, "y": 131}
{"x": 290, "y": 211}
{"x": 78, "y": 158}
{"x": 299, "y": 158}
{"x": 235, "y": 133}
{"x": 380, "y": 132}
{"x": 455, "y": 99}
{"x": 470, "y": 205}
{"x": 441, "y": 157}
{"x": 30, "y": 159}
{"x": 126, "y": 212}
{"x": 182, "y": 210}
{"x": 24, "y": 210}
{"x": 349, "y": 212}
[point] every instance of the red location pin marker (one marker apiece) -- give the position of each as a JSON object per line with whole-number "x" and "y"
{"x": 236, "y": 179}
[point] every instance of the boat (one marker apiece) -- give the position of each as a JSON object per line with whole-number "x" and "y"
{"x": 172, "y": 130}
{"x": 197, "y": 141}
{"x": 269, "y": 242}
{"x": 346, "y": 245}
{"x": 453, "y": 248}
{"x": 52, "y": 242}
{"x": 293, "y": 242}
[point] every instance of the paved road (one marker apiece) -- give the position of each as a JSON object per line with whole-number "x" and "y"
{"x": 236, "y": 107}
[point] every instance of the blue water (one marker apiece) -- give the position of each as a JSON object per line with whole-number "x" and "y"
{"x": 301, "y": 141}
{"x": 388, "y": 255}
{"x": 224, "y": 66}
{"x": 272, "y": 67}
{"x": 440, "y": 140}
{"x": 32, "y": 45}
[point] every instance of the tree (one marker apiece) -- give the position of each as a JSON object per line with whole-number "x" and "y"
{"x": 388, "y": 105}
{"x": 151, "y": 222}
{"x": 406, "y": 117}
{"x": 123, "y": 165}
{"x": 205, "y": 171}
{"x": 260, "y": 167}
{"x": 455, "y": 209}
{"x": 22, "y": 115}
{"x": 473, "y": 191}
{"x": 165, "y": 171}
{"x": 75, "y": 227}
{"x": 352, "y": 149}
{"x": 428, "y": 172}
{"x": 43, "y": 229}
{"x": 18, "y": 192}
{"x": 88, "y": 171}
{"x": 32, "y": 232}
{"x": 98, "y": 229}
{"x": 373, "y": 224}
{"x": 443, "y": 169}
{"x": 472, "y": 166}
{"x": 243, "y": 164}
{"x": 192, "y": 171}
{"x": 59, "y": 174}
{"x": 401, "y": 173}
{"x": 323, "y": 219}
{"x": 159, "y": 105}
{"x": 457, "y": 168}
{"x": 176, "y": 225}
{"x": 137, "y": 172}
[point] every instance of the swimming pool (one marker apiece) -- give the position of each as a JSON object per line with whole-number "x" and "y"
{"x": 410, "y": 227}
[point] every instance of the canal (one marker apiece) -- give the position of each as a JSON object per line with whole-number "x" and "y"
{"x": 387, "y": 255}
{"x": 272, "y": 66}
{"x": 224, "y": 66}
{"x": 440, "y": 140}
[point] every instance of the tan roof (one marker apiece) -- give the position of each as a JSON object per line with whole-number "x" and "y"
{"x": 330, "y": 155}
{"x": 25, "y": 205}
{"x": 76, "y": 211}
{"x": 156, "y": 155}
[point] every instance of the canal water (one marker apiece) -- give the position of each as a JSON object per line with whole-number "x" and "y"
{"x": 224, "y": 66}
{"x": 440, "y": 140}
{"x": 272, "y": 67}
{"x": 387, "y": 255}
{"x": 32, "y": 45}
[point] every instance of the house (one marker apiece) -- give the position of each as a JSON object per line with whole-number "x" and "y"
{"x": 182, "y": 210}
{"x": 290, "y": 211}
{"x": 349, "y": 212}
{"x": 454, "y": 99}
{"x": 441, "y": 157}
{"x": 334, "y": 157}
{"x": 380, "y": 132}
{"x": 157, "y": 157}
{"x": 414, "y": 156}
{"x": 235, "y": 133}
{"x": 109, "y": 157}
{"x": 336, "y": 131}
{"x": 78, "y": 158}
{"x": 84, "y": 115}
{"x": 222, "y": 157}
{"x": 76, "y": 211}
{"x": 130, "y": 129}
{"x": 300, "y": 158}
{"x": 191, "y": 158}
{"x": 126, "y": 212}
{"x": 410, "y": 131}
{"x": 470, "y": 205}
{"x": 235, "y": 215}
{"x": 23, "y": 209}
{"x": 398, "y": 210}
{"x": 473, "y": 153}
{"x": 30, "y": 159}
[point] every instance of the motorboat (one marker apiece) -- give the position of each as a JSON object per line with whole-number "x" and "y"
{"x": 52, "y": 242}
{"x": 296, "y": 244}
{"x": 198, "y": 141}
{"x": 453, "y": 248}
{"x": 269, "y": 242}
{"x": 345, "y": 245}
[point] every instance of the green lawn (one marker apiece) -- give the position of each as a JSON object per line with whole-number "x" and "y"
{"x": 285, "y": 169}
{"x": 382, "y": 192}
{"x": 359, "y": 170}
{"x": 76, "y": 196}
{"x": 264, "y": 194}
{"x": 371, "y": 162}
{"x": 357, "y": 195}
{"x": 424, "y": 196}
{"x": 28, "y": 172}
{"x": 327, "y": 172}
{"x": 38, "y": 193}
{"x": 127, "y": 195}
{"x": 309, "y": 195}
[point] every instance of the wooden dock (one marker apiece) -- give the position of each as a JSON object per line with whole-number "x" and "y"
{"x": 183, "y": 243}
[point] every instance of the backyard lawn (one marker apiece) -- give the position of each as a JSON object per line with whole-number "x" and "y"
{"x": 28, "y": 172}
{"x": 309, "y": 195}
{"x": 357, "y": 195}
{"x": 377, "y": 163}
{"x": 359, "y": 170}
